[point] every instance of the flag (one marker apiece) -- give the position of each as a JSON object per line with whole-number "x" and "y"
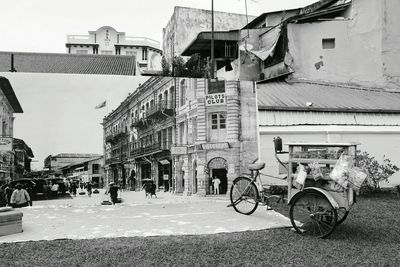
{"x": 101, "y": 105}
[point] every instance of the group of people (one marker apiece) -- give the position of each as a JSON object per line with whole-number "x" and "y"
{"x": 18, "y": 197}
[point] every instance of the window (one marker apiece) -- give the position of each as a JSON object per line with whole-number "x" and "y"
{"x": 218, "y": 121}
{"x": 144, "y": 53}
{"x": 216, "y": 87}
{"x": 95, "y": 168}
{"x": 218, "y": 127}
{"x": 183, "y": 92}
{"x": 328, "y": 43}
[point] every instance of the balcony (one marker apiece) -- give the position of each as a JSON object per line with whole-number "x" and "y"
{"x": 113, "y": 138}
{"x": 161, "y": 108}
{"x": 150, "y": 149}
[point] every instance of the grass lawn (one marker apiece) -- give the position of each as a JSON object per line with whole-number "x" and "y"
{"x": 370, "y": 236}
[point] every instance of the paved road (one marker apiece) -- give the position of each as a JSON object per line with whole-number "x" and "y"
{"x": 82, "y": 217}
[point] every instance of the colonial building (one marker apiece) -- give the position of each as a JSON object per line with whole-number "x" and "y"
{"x": 107, "y": 41}
{"x": 216, "y": 133}
{"x": 182, "y": 132}
{"x": 56, "y": 162}
{"x": 9, "y": 105}
{"x": 88, "y": 170}
{"x": 22, "y": 158}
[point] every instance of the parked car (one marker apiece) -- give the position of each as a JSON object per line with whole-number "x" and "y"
{"x": 34, "y": 189}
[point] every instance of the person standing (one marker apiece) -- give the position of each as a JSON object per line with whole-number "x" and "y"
{"x": 113, "y": 191}
{"x": 20, "y": 198}
{"x": 7, "y": 194}
{"x": 216, "y": 181}
{"x": 54, "y": 190}
{"x": 89, "y": 189}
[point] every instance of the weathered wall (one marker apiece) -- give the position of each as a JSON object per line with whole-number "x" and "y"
{"x": 391, "y": 43}
{"x": 186, "y": 23}
{"x": 366, "y": 46}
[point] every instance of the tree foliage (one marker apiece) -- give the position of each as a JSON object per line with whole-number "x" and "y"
{"x": 377, "y": 172}
{"x": 195, "y": 67}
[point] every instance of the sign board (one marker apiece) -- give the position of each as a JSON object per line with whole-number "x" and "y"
{"x": 215, "y": 99}
{"x": 215, "y": 146}
{"x": 5, "y": 143}
{"x": 164, "y": 162}
{"x": 178, "y": 150}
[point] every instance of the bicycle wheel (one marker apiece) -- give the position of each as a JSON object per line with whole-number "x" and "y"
{"x": 341, "y": 215}
{"x": 244, "y": 195}
{"x": 311, "y": 213}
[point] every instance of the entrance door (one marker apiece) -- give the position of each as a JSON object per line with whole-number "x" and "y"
{"x": 221, "y": 174}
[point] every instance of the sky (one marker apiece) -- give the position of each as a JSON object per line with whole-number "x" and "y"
{"x": 62, "y": 119}
{"x": 42, "y": 25}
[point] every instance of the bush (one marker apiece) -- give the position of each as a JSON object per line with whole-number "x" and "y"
{"x": 376, "y": 172}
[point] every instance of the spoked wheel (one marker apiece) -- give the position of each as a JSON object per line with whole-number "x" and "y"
{"x": 341, "y": 215}
{"x": 311, "y": 213}
{"x": 244, "y": 196}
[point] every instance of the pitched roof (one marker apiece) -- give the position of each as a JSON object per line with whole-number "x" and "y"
{"x": 68, "y": 63}
{"x": 316, "y": 96}
{"x": 8, "y": 91}
{"x": 75, "y": 155}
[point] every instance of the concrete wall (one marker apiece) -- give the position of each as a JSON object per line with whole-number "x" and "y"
{"x": 390, "y": 43}
{"x": 186, "y": 23}
{"x": 366, "y": 46}
{"x": 370, "y": 137}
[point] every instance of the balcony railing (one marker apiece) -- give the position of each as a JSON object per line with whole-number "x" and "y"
{"x": 151, "y": 148}
{"x": 115, "y": 136}
{"x": 163, "y": 106}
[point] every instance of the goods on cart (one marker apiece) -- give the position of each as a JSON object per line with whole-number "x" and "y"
{"x": 340, "y": 172}
{"x": 301, "y": 175}
{"x": 356, "y": 178}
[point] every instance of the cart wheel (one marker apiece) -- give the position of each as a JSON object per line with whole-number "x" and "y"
{"x": 311, "y": 213}
{"x": 341, "y": 215}
{"x": 244, "y": 195}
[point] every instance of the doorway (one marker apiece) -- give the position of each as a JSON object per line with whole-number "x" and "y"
{"x": 221, "y": 174}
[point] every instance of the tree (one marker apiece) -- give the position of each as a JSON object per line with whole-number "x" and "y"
{"x": 376, "y": 172}
{"x": 178, "y": 67}
{"x": 196, "y": 67}
{"x": 166, "y": 71}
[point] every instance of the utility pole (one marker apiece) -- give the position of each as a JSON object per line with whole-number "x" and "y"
{"x": 212, "y": 40}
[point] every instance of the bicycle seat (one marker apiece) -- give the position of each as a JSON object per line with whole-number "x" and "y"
{"x": 256, "y": 166}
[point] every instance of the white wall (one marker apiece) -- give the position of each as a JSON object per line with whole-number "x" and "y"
{"x": 378, "y": 141}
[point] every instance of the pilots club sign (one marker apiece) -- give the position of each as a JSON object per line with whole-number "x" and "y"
{"x": 215, "y": 99}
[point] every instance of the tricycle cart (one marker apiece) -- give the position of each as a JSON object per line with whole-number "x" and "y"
{"x": 317, "y": 203}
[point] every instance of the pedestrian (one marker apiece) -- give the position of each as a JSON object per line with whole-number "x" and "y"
{"x": 20, "y": 198}
{"x": 216, "y": 181}
{"x": 7, "y": 194}
{"x": 73, "y": 188}
{"x": 89, "y": 189}
{"x": 54, "y": 190}
{"x": 113, "y": 191}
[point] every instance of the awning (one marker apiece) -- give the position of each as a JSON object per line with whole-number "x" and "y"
{"x": 202, "y": 43}
{"x": 268, "y": 44}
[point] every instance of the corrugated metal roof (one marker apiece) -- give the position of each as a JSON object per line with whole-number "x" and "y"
{"x": 325, "y": 97}
{"x": 68, "y": 63}
{"x": 291, "y": 118}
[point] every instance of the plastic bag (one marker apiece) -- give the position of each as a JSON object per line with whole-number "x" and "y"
{"x": 357, "y": 177}
{"x": 301, "y": 175}
{"x": 316, "y": 171}
{"x": 340, "y": 172}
